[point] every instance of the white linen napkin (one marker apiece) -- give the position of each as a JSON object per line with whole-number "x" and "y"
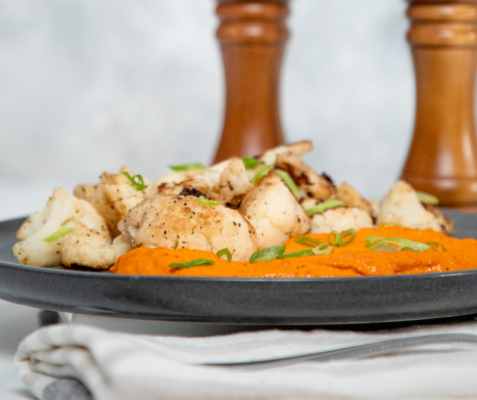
{"x": 83, "y": 363}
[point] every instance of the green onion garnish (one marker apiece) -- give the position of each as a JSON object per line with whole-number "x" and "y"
{"x": 205, "y": 202}
{"x": 336, "y": 241}
{"x": 427, "y": 198}
{"x": 407, "y": 248}
{"x": 385, "y": 247}
{"x": 225, "y": 252}
{"x": 261, "y": 172}
{"x": 349, "y": 232}
{"x": 322, "y": 207}
{"x": 397, "y": 243}
{"x": 408, "y": 243}
{"x": 58, "y": 234}
{"x": 136, "y": 181}
{"x": 288, "y": 181}
{"x": 436, "y": 246}
{"x": 187, "y": 167}
{"x": 250, "y": 162}
{"x": 323, "y": 250}
{"x": 194, "y": 263}
{"x": 339, "y": 237}
{"x": 308, "y": 241}
{"x": 267, "y": 254}
{"x": 296, "y": 254}
{"x": 371, "y": 239}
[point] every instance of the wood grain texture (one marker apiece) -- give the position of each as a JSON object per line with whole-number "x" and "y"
{"x": 442, "y": 158}
{"x": 252, "y": 36}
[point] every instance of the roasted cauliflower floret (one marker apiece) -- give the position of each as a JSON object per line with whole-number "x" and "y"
{"x": 308, "y": 181}
{"x": 234, "y": 184}
{"x": 402, "y": 206}
{"x": 114, "y": 196}
{"x": 121, "y": 246}
{"x": 196, "y": 186}
{"x": 226, "y": 182}
{"x": 298, "y": 149}
{"x": 375, "y": 205}
{"x": 181, "y": 221}
{"x": 340, "y": 219}
{"x": 352, "y": 198}
{"x": 274, "y": 212}
{"x": 178, "y": 176}
{"x": 234, "y": 180}
{"x": 208, "y": 179}
{"x": 62, "y": 211}
{"x": 87, "y": 247}
{"x": 445, "y": 222}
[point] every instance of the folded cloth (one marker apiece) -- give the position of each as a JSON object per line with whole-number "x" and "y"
{"x": 77, "y": 362}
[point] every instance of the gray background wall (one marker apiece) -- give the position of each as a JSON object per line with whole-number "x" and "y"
{"x": 90, "y": 85}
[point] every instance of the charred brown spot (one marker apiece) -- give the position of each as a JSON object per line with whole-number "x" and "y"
{"x": 327, "y": 177}
{"x": 191, "y": 192}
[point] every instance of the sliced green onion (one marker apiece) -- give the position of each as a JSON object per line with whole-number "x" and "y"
{"x": 436, "y": 246}
{"x": 321, "y": 247}
{"x": 337, "y": 239}
{"x": 267, "y": 254}
{"x": 308, "y": 241}
{"x": 225, "y": 252}
{"x": 349, "y": 232}
{"x": 194, "y": 263}
{"x": 371, "y": 239}
{"x": 323, "y": 250}
{"x": 408, "y": 248}
{"x": 385, "y": 247}
{"x": 205, "y": 202}
{"x": 187, "y": 167}
{"x": 250, "y": 162}
{"x": 58, "y": 234}
{"x": 397, "y": 243}
{"x": 288, "y": 181}
{"x": 401, "y": 242}
{"x": 296, "y": 254}
{"x": 427, "y": 198}
{"x": 261, "y": 172}
{"x": 322, "y": 207}
{"x": 136, "y": 181}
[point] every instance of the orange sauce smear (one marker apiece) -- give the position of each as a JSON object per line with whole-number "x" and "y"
{"x": 354, "y": 259}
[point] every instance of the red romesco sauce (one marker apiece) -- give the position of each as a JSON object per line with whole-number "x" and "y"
{"x": 355, "y": 259}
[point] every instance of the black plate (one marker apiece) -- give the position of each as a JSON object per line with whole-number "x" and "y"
{"x": 241, "y": 300}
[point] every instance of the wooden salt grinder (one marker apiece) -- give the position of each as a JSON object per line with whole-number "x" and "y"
{"x": 442, "y": 159}
{"x": 252, "y": 36}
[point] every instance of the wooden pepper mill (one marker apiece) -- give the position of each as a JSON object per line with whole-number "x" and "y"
{"x": 252, "y": 35}
{"x": 442, "y": 159}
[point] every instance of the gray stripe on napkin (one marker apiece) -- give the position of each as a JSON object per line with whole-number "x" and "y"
{"x": 66, "y": 389}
